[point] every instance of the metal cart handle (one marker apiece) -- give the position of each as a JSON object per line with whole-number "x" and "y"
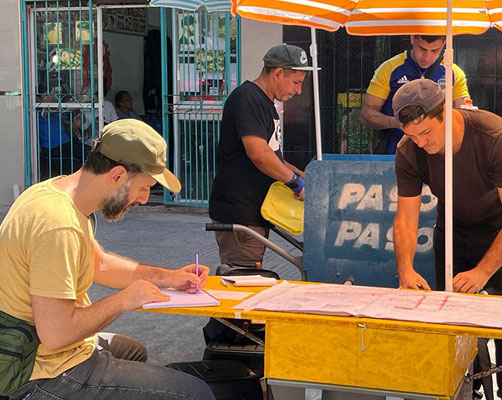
{"x": 219, "y": 227}
{"x": 296, "y": 261}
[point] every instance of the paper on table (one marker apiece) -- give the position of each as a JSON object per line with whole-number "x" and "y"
{"x": 229, "y": 294}
{"x": 376, "y": 302}
{"x": 249, "y": 280}
{"x": 184, "y": 299}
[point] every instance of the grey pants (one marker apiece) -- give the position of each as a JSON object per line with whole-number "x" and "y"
{"x": 122, "y": 347}
{"x": 240, "y": 248}
{"x": 115, "y": 371}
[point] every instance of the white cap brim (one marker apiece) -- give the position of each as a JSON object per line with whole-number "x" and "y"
{"x": 306, "y": 68}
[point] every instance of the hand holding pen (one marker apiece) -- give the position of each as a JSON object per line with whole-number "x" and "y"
{"x": 186, "y": 278}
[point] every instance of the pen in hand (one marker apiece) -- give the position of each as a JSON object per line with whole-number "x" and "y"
{"x": 197, "y": 270}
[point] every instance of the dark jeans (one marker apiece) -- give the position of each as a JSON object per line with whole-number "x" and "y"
{"x": 104, "y": 376}
{"x": 467, "y": 252}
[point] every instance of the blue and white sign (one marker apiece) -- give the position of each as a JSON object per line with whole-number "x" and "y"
{"x": 350, "y": 205}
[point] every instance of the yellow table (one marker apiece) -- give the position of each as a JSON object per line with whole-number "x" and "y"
{"x": 410, "y": 359}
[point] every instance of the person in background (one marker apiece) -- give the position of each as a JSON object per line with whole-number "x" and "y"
{"x": 123, "y": 105}
{"x": 109, "y": 113}
{"x": 82, "y": 122}
{"x": 424, "y": 60}
{"x": 60, "y": 146}
{"x": 50, "y": 259}
{"x": 477, "y": 192}
{"x": 54, "y": 143}
{"x": 249, "y": 155}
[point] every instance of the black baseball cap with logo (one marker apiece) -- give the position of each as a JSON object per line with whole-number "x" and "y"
{"x": 287, "y": 56}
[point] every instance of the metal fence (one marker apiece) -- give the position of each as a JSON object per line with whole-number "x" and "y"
{"x": 59, "y": 66}
{"x": 58, "y": 77}
{"x": 206, "y": 67}
{"x": 348, "y": 63}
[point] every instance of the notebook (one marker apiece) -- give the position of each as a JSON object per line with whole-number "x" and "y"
{"x": 184, "y": 299}
{"x": 249, "y": 280}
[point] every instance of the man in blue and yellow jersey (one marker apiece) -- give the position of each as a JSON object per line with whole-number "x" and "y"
{"x": 422, "y": 61}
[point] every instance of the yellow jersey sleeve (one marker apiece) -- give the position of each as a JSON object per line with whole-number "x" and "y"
{"x": 380, "y": 83}
{"x": 460, "y": 85}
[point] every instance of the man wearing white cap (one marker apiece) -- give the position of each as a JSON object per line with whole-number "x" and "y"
{"x": 50, "y": 259}
{"x": 249, "y": 153}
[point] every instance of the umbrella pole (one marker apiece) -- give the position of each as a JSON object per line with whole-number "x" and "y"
{"x": 315, "y": 81}
{"x": 448, "y": 60}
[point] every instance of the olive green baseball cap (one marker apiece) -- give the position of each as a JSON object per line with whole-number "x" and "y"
{"x": 131, "y": 141}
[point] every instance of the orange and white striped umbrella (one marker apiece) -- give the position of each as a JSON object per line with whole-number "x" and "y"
{"x": 495, "y": 13}
{"x": 323, "y": 14}
{"x": 376, "y": 17}
{"x": 390, "y": 17}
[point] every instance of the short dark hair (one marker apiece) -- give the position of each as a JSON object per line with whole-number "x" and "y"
{"x": 287, "y": 71}
{"x": 119, "y": 96}
{"x": 431, "y": 38}
{"x": 98, "y": 164}
{"x": 436, "y": 112}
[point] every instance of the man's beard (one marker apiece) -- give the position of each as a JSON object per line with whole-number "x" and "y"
{"x": 116, "y": 204}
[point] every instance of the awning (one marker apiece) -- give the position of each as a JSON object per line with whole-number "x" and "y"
{"x": 192, "y": 5}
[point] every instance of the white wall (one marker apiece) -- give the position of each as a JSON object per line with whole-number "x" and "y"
{"x": 126, "y": 59}
{"x": 11, "y": 129}
{"x": 256, "y": 39}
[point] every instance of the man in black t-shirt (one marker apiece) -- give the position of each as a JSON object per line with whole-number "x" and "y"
{"x": 249, "y": 156}
{"x": 477, "y": 190}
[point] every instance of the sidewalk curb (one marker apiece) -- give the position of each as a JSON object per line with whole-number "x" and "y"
{"x": 170, "y": 209}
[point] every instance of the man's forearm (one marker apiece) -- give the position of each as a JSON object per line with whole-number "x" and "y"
{"x": 118, "y": 272}
{"x": 73, "y": 324}
{"x": 271, "y": 165}
{"x": 294, "y": 169}
{"x": 375, "y": 119}
{"x": 86, "y": 321}
{"x": 405, "y": 240}
{"x": 492, "y": 260}
{"x": 61, "y": 322}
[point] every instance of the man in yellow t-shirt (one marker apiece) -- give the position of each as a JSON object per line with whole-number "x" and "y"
{"x": 422, "y": 61}
{"x": 50, "y": 258}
